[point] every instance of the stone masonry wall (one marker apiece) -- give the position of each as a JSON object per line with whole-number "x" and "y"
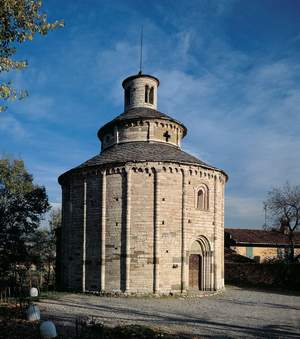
{"x": 141, "y": 231}
{"x": 72, "y": 235}
{"x": 134, "y": 132}
{"x": 65, "y": 237}
{"x": 169, "y": 220}
{"x": 114, "y": 240}
{"x": 137, "y": 93}
{"x": 162, "y": 204}
{"x": 141, "y": 130}
{"x": 93, "y": 219}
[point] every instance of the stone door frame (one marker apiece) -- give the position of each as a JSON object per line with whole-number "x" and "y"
{"x": 201, "y": 246}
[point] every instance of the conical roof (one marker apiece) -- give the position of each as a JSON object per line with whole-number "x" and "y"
{"x": 141, "y": 151}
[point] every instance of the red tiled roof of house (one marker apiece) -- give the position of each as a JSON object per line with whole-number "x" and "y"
{"x": 254, "y": 236}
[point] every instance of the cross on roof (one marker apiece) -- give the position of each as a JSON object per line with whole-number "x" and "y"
{"x": 167, "y": 135}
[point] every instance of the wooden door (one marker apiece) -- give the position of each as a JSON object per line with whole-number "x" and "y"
{"x": 195, "y": 271}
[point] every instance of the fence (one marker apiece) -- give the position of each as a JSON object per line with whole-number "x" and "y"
{"x": 17, "y": 296}
{"x": 8, "y": 294}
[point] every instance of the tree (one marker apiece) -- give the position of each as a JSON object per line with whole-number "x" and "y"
{"x": 20, "y": 21}
{"x": 22, "y": 205}
{"x": 284, "y": 205}
{"x": 43, "y": 251}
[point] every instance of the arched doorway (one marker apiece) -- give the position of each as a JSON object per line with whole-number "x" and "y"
{"x": 200, "y": 262}
{"x": 195, "y": 263}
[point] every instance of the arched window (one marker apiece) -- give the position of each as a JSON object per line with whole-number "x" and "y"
{"x": 202, "y": 198}
{"x": 146, "y": 93}
{"x": 151, "y": 95}
{"x": 127, "y": 96}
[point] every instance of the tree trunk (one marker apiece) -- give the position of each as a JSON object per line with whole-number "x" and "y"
{"x": 48, "y": 274}
{"x": 292, "y": 247}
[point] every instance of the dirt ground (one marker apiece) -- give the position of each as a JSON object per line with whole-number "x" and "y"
{"x": 237, "y": 313}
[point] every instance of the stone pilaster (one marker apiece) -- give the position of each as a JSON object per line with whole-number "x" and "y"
{"x": 222, "y": 234}
{"x": 183, "y": 235}
{"x": 103, "y": 230}
{"x": 84, "y": 235}
{"x": 156, "y": 222}
{"x": 128, "y": 220}
{"x": 215, "y": 266}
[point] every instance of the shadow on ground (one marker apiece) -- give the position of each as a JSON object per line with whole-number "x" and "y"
{"x": 175, "y": 320}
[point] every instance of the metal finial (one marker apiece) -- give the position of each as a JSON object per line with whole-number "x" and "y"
{"x": 141, "y": 51}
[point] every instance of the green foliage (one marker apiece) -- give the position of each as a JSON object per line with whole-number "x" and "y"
{"x": 20, "y": 21}
{"x": 22, "y": 205}
{"x": 43, "y": 248}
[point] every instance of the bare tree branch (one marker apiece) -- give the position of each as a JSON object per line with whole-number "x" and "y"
{"x": 284, "y": 206}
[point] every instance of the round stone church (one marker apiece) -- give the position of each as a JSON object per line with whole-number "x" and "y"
{"x": 143, "y": 216}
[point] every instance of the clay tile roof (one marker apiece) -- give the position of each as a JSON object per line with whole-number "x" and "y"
{"x": 254, "y": 236}
{"x": 137, "y": 114}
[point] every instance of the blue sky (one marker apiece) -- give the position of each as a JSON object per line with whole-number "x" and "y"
{"x": 229, "y": 70}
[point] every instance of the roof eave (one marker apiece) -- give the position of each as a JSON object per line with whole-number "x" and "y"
{"x": 113, "y": 123}
{"x": 139, "y": 75}
{"x": 121, "y": 163}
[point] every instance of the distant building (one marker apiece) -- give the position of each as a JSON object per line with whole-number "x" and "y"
{"x": 260, "y": 244}
{"x": 143, "y": 216}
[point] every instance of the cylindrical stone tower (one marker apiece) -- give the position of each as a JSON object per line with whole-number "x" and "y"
{"x": 143, "y": 216}
{"x": 140, "y": 91}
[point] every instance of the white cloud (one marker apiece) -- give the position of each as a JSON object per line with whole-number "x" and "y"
{"x": 55, "y": 205}
{"x": 246, "y": 122}
{"x": 11, "y": 126}
{"x": 37, "y": 106}
{"x": 242, "y": 110}
{"x": 243, "y": 212}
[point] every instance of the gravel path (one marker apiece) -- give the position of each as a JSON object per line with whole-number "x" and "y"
{"x": 236, "y": 313}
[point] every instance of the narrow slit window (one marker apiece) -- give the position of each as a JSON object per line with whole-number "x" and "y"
{"x": 146, "y": 93}
{"x": 151, "y": 95}
{"x": 200, "y": 200}
{"x": 127, "y": 96}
